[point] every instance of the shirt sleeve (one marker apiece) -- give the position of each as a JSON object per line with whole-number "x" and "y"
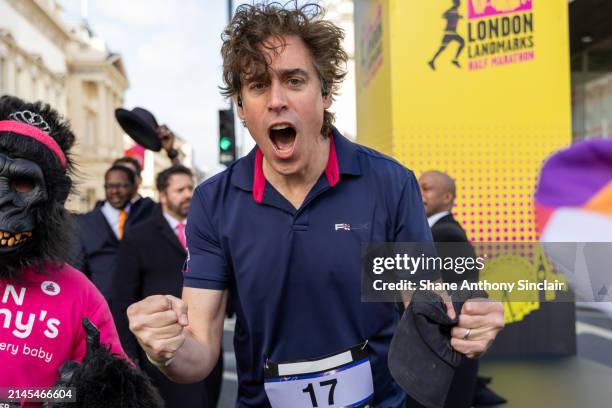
{"x": 411, "y": 221}
{"x": 206, "y": 266}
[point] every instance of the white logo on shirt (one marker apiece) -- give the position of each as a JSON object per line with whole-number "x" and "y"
{"x": 349, "y": 227}
{"x": 50, "y": 288}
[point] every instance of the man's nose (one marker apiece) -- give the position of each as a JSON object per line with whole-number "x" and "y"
{"x": 278, "y": 97}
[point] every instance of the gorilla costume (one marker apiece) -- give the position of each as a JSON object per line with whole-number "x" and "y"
{"x": 52, "y": 318}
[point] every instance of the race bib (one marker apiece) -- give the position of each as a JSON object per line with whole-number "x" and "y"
{"x": 342, "y": 379}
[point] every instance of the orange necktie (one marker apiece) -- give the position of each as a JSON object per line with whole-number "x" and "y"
{"x": 122, "y": 218}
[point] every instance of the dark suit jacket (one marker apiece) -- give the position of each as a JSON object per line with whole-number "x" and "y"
{"x": 447, "y": 229}
{"x": 463, "y": 387}
{"x": 150, "y": 262}
{"x": 98, "y": 246}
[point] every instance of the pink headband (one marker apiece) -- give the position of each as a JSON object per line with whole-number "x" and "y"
{"x": 35, "y": 133}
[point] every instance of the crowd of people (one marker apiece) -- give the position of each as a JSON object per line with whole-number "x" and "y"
{"x": 261, "y": 238}
{"x": 132, "y": 247}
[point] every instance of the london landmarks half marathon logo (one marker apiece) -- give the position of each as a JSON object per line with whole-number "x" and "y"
{"x": 498, "y": 32}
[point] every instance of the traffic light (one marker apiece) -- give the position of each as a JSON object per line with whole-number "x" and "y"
{"x": 227, "y": 137}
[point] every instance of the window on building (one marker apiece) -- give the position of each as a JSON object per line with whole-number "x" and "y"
{"x": 90, "y": 127}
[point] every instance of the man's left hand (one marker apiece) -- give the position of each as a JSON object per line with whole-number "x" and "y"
{"x": 479, "y": 322}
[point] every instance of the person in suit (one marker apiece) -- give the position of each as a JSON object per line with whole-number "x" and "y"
{"x": 141, "y": 207}
{"x": 100, "y": 230}
{"x": 150, "y": 262}
{"x": 439, "y": 191}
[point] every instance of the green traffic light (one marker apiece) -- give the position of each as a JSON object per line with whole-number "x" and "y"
{"x": 225, "y": 143}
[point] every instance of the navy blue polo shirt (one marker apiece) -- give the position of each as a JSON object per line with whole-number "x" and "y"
{"x": 294, "y": 277}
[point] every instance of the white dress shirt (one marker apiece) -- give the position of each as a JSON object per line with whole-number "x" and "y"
{"x": 436, "y": 217}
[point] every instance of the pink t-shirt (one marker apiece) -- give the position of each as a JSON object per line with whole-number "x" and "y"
{"x": 40, "y": 325}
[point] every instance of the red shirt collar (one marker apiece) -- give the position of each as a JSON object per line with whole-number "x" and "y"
{"x": 332, "y": 171}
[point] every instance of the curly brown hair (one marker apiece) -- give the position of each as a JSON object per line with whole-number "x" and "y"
{"x": 254, "y": 24}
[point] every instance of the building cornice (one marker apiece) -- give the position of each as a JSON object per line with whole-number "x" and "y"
{"x": 23, "y": 58}
{"x": 100, "y": 69}
{"x": 38, "y": 14}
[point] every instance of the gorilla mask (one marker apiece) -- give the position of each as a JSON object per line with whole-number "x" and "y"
{"x": 35, "y": 228}
{"x": 22, "y": 187}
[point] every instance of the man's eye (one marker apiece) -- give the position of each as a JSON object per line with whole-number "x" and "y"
{"x": 258, "y": 86}
{"x": 295, "y": 82}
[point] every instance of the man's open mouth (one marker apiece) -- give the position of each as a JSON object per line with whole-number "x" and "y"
{"x": 8, "y": 239}
{"x": 283, "y": 138}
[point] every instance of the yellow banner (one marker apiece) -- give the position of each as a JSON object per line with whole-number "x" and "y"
{"x": 479, "y": 89}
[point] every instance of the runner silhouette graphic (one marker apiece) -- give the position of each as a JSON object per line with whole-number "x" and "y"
{"x": 452, "y": 17}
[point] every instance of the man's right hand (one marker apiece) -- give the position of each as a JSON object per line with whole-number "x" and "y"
{"x": 157, "y": 322}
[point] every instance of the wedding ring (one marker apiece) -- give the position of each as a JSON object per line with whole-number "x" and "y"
{"x": 467, "y": 334}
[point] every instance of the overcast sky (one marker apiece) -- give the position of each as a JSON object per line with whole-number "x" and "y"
{"x": 171, "y": 53}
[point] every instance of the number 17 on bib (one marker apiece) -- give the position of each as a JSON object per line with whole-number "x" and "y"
{"x": 342, "y": 379}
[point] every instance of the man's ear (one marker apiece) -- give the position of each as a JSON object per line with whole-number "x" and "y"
{"x": 162, "y": 198}
{"x": 326, "y": 94}
{"x": 327, "y": 100}
{"x": 237, "y": 99}
{"x": 448, "y": 198}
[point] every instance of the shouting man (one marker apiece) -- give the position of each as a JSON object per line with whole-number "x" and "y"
{"x": 281, "y": 230}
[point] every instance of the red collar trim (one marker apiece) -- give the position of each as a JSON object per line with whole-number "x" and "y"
{"x": 332, "y": 171}
{"x": 259, "y": 180}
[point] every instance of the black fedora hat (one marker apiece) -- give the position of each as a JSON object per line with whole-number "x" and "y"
{"x": 141, "y": 126}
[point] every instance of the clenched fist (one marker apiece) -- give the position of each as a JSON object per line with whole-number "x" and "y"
{"x": 157, "y": 323}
